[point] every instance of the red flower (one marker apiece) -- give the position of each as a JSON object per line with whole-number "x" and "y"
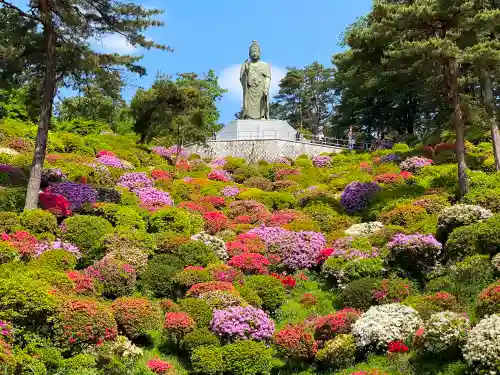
{"x": 159, "y": 366}
{"x": 83, "y": 283}
{"x": 339, "y": 322}
{"x": 178, "y": 322}
{"x": 55, "y": 203}
{"x": 295, "y": 342}
{"x": 209, "y": 286}
{"x": 105, "y": 153}
{"x": 243, "y": 219}
{"x": 250, "y": 263}
{"x": 397, "y": 347}
{"x": 23, "y": 242}
{"x": 406, "y": 175}
{"x": 308, "y": 300}
{"x": 158, "y": 174}
{"x": 389, "y": 178}
{"x": 215, "y": 222}
{"x": 217, "y": 202}
{"x": 325, "y": 254}
{"x": 287, "y": 280}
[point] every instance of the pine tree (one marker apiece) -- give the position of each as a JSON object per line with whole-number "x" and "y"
{"x": 66, "y": 28}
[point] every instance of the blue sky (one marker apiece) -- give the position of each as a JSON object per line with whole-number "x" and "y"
{"x": 216, "y": 34}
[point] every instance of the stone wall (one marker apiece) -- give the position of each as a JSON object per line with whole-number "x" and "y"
{"x": 260, "y": 149}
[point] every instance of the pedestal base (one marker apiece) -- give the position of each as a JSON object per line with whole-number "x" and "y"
{"x": 256, "y": 129}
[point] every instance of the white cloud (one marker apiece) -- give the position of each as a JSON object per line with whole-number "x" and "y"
{"x": 116, "y": 43}
{"x": 229, "y": 79}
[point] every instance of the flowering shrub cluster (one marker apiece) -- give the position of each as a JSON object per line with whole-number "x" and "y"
{"x": 445, "y": 333}
{"x": 219, "y": 175}
{"x": 322, "y": 161}
{"x": 414, "y": 164}
{"x": 357, "y": 195}
{"x": 295, "y": 342}
{"x": 364, "y": 229}
{"x": 242, "y": 323}
{"x": 76, "y": 194}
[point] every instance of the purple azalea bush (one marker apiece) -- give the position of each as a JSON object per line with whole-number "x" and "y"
{"x": 239, "y": 322}
{"x": 77, "y": 194}
{"x": 135, "y": 180}
{"x": 297, "y": 249}
{"x": 153, "y": 197}
{"x": 58, "y": 244}
{"x": 417, "y": 252}
{"x": 322, "y": 161}
{"x": 230, "y": 191}
{"x": 169, "y": 152}
{"x": 52, "y": 176}
{"x": 390, "y": 158}
{"x": 110, "y": 161}
{"x": 343, "y": 249}
{"x": 218, "y": 163}
{"x": 357, "y": 195}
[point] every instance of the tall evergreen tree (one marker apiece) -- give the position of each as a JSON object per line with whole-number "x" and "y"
{"x": 66, "y": 26}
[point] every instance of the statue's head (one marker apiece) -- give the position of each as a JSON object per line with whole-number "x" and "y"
{"x": 254, "y": 51}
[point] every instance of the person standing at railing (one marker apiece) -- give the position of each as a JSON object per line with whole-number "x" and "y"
{"x": 350, "y": 135}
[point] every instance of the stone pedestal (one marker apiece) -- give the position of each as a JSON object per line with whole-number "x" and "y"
{"x": 256, "y": 129}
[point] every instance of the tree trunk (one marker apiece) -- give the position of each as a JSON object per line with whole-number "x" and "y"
{"x": 489, "y": 105}
{"x": 49, "y": 80}
{"x": 451, "y": 76}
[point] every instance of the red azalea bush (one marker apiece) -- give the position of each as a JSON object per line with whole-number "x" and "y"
{"x": 391, "y": 291}
{"x": 295, "y": 341}
{"x": 215, "y": 201}
{"x": 55, "y": 203}
{"x": 105, "y": 153}
{"x": 215, "y": 222}
{"x": 365, "y": 167}
{"x": 246, "y": 243}
{"x": 287, "y": 280}
{"x": 250, "y": 263}
{"x": 23, "y": 242}
{"x": 488, "y": 302}
{"x": 194, "y": 207}
{"x": 178, "y": 323}
{"x": 389, "y": 178}
{"x": 198, "y": 289}
{"x": 444, "y": 147}
{"x": 223, "y": 272}
{"x": 135, "y": 316}
{"x": 158, "y": 174}
{"x": 283, "y": 173}
{"x": 84, "y": 284}
{"x": 159, "y": 366}
{"x": 219, "y": 175}
{"x": 325, "y": 254}
{"x": 280, "y": 218}
{"x": 397, "y": 346}
{"x": 81, "y": 321}
{"x": 256, "y": 211}
{"x": 444, "y": 300}
{"x": 340, "y": 322}
{"x": 406, "y": 175}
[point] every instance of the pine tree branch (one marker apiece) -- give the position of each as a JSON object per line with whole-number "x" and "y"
{"x": 20, "y": 11}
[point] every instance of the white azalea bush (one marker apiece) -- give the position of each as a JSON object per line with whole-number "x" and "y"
{"x": 445, "y": 333}
{"x": 482, "y": 349}
{"x": 495, "y": 261}
{"x": 383, "y": 324}
{"x": 217, "y": 244}
{"x": 364, "y": 229}
{"x": 461, "y": 214}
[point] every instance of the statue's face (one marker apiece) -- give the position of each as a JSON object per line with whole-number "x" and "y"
{"x": 254, "y": 54}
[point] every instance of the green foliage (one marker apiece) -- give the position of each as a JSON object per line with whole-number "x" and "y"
{"x": 38, "y": 221}
{"x": 199, "y": 338}
{"x": 176, "y": 220}
{"x": 208, "y": 360}
{"x": 196, "y": 253}
{"x": 487, "y": 198}
{"x": 87, "y": 233}
{"x": 198, "y": 309}
{"x": 57, "y": 260}
{"x": 269, "y": 289}
{"x": 359, "y": 293}
{"x": 338, "y": 352}
{"x": 9, "y": 222}
{"x": 156, "y": 280}
{"x": 247, "y": 357}
{"x": 82, "y": 126}
{"x": 12, "y": 199}
{"x": 405, "y": 216}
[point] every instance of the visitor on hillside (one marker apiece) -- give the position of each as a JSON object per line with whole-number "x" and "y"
{"x": 297, "y": 136}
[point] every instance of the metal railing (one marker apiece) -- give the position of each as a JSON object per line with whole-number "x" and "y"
{"x": 302, "y": 138}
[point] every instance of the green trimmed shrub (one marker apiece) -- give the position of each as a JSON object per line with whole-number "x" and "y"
{"x": 12, "y": 199}
{"x": 198, "y": 309}
{"x": 246, "y": 172}
{"x": 38, "y": 221}
{"x": 269, "y": 289}
{"x": 9, "y": 222}
{"x": 88, "y": 234}
{"x": 208, "y": 360}
{"x": 7, "y": 253}
{"x": 176, "y": 220}
{"x": 247, "y": 357}
{"x": 405, "y": 215}
{"x": 196, "y": 253}
{"x": 136, "y": 316}
{"x": 487, "y": 198}
{"x": 340, "y": 352}
{"x": 358, "y": 294}
{"x": 198, "y": 338}
{"x": 156, "y": 280}
{"x": 56, "y": 260}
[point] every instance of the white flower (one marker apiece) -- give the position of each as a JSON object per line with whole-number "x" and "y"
{"x": 8, "y": 151}
{"x": 383, "y": 324}
{"x": 445, "y": 332}
{"x": 462, "y": 214}
{"x": 482, "y": 349}
{"x": 364, "y": 229}
{"x": 217, "y": 244}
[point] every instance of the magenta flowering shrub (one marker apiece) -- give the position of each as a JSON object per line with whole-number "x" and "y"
{"x": 219, "y": 175}
{"x": 76, "y": 194}
{"x": 230, "y": 191}
{"x": 153, "y": 199}
{"x": 110, "y": 161}
{"x": 57, "y": 245}
{"x": 283, "y": 160}
{"x": 357, "y": 195}
{"x": 297, "y": 249}
{"x": 218, "y": 163}
{"x": 170, "y": 151}
{"x": 415, "y": 252}
{"x": 414, "y": 164}
{"x": 322, "y": 161}
{"x": 135, "y": 180}
{"x": 118, "y": 278}
{"x": 244, "y": 323}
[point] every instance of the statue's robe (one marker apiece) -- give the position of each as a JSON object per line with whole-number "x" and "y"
{"x": 255, "y": 78}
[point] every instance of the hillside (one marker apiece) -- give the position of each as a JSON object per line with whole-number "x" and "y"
{"x": 141, "y": 262}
